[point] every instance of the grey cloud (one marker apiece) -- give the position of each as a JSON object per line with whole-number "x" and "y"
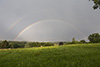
{"x": 79, "y": 13}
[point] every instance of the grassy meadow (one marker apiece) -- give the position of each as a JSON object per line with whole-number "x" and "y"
{"x": 75, "y": 55}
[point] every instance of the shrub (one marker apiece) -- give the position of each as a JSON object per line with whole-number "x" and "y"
{"x": 61, "y": 43}
{"x": 83, "y": 41}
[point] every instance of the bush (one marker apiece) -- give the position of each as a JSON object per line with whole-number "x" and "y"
{"x": 61, "y": 43}
{"x": 83, "y": 41}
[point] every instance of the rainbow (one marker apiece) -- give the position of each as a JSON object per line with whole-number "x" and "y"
{"x": 16, "y": 22}
{"x": 46, "y": 21}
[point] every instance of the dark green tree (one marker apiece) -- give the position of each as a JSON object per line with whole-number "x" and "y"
{"x": 14, "y": 45}
{"x": 36, "y": 44}
{"x": 4, "y": 44}
{"x": 48, "y": 44}
{"x": 82, "y": 41}
{"x": 97, "y": 4}
{"x": 94, "y": 38}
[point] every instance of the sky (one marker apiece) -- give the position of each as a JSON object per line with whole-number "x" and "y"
{"x": 48, "y": 20}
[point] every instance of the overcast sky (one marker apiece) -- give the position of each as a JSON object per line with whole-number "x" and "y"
{"x": 47, "y": 20}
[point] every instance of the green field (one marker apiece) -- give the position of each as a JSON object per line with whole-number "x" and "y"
{"x": 83, "y": 55}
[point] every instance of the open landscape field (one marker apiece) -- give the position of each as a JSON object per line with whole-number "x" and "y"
{"x": 49, "y": 33}
{"x": 83, "y": 55}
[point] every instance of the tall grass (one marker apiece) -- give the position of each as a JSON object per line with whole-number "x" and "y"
{"x": 76, "y": 55}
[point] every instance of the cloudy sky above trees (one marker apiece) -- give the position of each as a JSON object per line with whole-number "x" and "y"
{"x": 47, "y": 20}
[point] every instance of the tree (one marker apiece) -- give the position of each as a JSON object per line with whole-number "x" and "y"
{"x": 97, "y": 4}
{"x": 27, "y": 46}
{"x": 4, "y": 44}
{"x": 94, "y": 38}
{"x": 48, "y": 44}
{"x": 82, "y": 41}
{"x": 74, "y": 41}
{"x": 14, "y": 45}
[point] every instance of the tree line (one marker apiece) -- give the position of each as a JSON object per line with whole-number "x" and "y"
{"x": 22, "y": 44}
{"x": 93, "y": 38}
